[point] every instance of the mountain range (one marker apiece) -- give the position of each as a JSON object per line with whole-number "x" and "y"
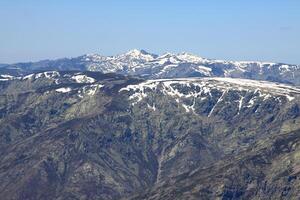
{"x": 142, "y": 126}
{"x": 148, "y": 65}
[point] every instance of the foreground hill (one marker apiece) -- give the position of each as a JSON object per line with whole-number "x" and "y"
{"x": 88, "y": 135}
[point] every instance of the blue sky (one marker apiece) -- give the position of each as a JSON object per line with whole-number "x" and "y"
{"x": 233, "y": 29}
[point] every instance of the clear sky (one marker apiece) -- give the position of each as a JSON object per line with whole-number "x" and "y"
{"x": 266, "y": 30}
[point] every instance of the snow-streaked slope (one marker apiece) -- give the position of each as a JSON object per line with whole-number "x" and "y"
{"x": 248, "y": 92}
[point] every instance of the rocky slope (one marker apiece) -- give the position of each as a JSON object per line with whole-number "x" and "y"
{"x": 88, "y": 135}
{"x": 144, "y": 64}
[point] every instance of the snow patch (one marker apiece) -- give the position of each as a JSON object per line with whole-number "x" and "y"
{"x": 83, "y": 79}
{"x": 64, "y": 90}
{"x": 89, "y": 90}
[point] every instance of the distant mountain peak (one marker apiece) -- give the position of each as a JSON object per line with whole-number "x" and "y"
{"x": 189, "y": 57}
{"x": 138, "y": 54}
{"x": 134, "y": 52}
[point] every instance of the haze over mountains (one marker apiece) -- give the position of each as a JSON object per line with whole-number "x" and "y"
{"x": 143, "y": 126}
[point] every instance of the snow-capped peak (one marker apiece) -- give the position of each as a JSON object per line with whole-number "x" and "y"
{"x": 137, "y": 55}
{"x": 188, "y": 57}
{"x": 134, "y": 52}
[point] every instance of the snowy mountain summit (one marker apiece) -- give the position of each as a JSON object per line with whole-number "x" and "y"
{"x": 169, "y": 65}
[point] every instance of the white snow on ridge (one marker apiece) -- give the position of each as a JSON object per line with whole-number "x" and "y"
{"x": 28, "y": 76}
{"x": 187, "y": 57}
{"x": 89, "y": 90}
{"x": 204, "y": 70}
{"x": 64, "y": 90}
{"x": 137, "y": 54}
{"x": 80, "y": 78}
{"x": 49, "y": 74}
{"x": 245, "y": 63}
{"x": 205, "y": 85}
{"x": 270, "y": 87}
{"x": 6, "y": 77}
